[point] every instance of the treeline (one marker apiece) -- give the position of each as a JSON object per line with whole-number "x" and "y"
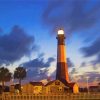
{"x": 6, "y": 75}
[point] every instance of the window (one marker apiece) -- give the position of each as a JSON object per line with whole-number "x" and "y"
{"x": 57, "y": 83}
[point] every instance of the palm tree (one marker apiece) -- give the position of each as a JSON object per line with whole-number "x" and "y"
{"x": 5, "y": 76}
{"x": 19, "y": 73}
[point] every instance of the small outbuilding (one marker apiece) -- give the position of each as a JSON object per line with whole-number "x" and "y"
{"x": 33, "y": 87}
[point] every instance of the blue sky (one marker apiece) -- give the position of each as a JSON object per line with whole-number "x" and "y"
{"x": 28, "y": 30}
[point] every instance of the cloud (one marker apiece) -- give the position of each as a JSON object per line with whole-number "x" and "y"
{"x": 38, "y": 68}
{"x": 38, "y": 62}
{"x": 96, "y": 61}
{"x": 3, "y": 63}
{"x": 15, "y": 45}
{"x": 53, "y": 75}
{"x": 92, "y": 77}
{"x": 91, "y": 50}
{"x": 70, "y": 63}
{"x": 36, "y": 74}
{"x": 83, "y": 64}
{"x": 72, "y": 15}
{"x": 73, "y": 71}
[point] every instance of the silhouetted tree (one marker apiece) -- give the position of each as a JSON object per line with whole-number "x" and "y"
{"x": 20, "y": 73}
{"x": 5, "y": 76}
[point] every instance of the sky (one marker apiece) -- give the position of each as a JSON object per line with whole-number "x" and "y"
{"x": 28, "y": 30}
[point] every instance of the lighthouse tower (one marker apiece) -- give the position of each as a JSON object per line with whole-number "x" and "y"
{"x": 62, "y": 66}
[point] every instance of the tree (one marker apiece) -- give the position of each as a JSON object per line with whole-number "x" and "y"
{"x": 19, "y": 73}
{"x": 5, "y": 76}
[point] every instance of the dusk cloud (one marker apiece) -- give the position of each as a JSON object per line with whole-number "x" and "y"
{"x": 83, "y": 64}
{"x": 16, "y": 44}
{"x": 96, "y": 61}
{"x": 36, "y": 74}
{"x": 92, "y": 49}
{"x": 38, "y": 63}
{"x": 70, "y": 63}
{"x": 73, "y": 71}
{"x": 73, "y": 15}
{"x": 92, "y": 77}
{"x": 38, "y": 68}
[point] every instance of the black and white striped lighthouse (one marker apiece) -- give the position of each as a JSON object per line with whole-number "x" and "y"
{"x": 62, "y": 66}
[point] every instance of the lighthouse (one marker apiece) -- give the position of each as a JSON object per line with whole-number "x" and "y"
{"x": 62, "y": 66}
{"x": 62, "y": 76}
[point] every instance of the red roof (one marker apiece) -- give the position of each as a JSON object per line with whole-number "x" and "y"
{"x": 93, "y": 87}
{"x": 64, "y": 82}
{"x": 49, "y": 83}
{"x": 71, "y": 84}
{"x": 37, "y": 83}
{"x": 68, "y": 84}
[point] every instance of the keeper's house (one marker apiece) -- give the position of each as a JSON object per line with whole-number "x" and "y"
{"x": 61, "y": 87}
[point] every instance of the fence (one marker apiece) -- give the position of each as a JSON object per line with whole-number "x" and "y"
{"x": 50, "y": 97}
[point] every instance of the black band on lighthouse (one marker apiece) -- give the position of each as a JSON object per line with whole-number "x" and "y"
{"x": 60, "y": 39}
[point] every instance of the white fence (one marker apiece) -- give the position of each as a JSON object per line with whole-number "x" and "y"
{"x": 51, "y": 97}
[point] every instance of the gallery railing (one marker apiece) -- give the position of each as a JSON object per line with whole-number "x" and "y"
{"x": 80, "y": 96}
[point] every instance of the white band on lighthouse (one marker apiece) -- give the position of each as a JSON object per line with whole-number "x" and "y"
{"x": 60, "y": 32}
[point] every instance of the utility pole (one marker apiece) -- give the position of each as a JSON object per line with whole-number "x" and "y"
{"x": 87, "y": 84}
